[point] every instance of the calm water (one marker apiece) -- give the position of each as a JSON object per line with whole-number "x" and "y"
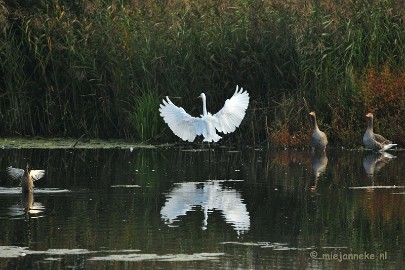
{"x": 222, "y": 209}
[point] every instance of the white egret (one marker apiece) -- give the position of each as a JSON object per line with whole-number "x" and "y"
{"x": 27, "y": 177}
{"x": 225, "y": 120}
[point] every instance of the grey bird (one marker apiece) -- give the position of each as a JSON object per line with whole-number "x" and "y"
{"x": 318, "y": 138}
{"x": 26, "y": 177}
{"x": 374, "y": 141}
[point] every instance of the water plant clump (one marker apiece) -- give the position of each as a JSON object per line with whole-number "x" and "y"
{"x": 101, "y": 68}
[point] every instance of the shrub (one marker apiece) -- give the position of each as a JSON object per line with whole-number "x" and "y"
{"x": 384, "y": 95}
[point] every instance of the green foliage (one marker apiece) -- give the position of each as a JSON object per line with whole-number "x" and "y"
{"x": 73, "y": 68}
{"x": 145, "y": 116}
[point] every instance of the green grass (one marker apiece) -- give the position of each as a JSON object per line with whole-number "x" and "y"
{"x": 101, "y": 68}
{"x": 145, "y": 117}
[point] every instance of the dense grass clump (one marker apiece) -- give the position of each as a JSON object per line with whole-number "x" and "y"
{"x": 101, "y": 68}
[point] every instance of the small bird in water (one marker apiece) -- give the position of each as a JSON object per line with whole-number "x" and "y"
{"x": 318, "y": 138}
{"x": 26, "y": 177}
{"x": 374, "y": 141}
{"x": 188, "y": 127}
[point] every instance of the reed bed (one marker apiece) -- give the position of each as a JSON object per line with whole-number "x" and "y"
{"x": 101, "y": 68}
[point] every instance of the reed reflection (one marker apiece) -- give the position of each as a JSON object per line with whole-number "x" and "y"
{"x": 210, "y": 195}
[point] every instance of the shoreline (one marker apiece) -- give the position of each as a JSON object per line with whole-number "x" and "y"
{"x": 94, "y": 143}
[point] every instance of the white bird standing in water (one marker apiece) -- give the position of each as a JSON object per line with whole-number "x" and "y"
{"x": 188, "y": 127}
{"x": 375, "y": 141}
{"x": 318, "y": 138}
{"x": 27, "y": 177}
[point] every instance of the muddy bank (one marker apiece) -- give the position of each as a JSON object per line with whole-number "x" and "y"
{"x": 58, "y": 143}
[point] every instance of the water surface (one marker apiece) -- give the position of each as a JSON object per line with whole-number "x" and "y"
{"x": 202, "y": 209}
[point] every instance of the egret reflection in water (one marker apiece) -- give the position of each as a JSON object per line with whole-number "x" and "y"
{"x": 210, "y": 195}
{"x": 26, "y": 206}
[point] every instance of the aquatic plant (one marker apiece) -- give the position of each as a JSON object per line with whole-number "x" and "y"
{"x": 145, "y": 116}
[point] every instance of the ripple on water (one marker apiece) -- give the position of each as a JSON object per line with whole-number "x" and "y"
{"x": 17, "y": 191}
{"x": 121, "y": 255}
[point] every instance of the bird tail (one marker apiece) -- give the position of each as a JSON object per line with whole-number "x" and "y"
{"x": 388, "y": 156}
{"x": 212, "y": 138}
{"x": 388, "y": 146}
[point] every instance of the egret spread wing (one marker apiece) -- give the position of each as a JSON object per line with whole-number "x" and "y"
{"x": 233, "y": 112}
{"x": 37, "y": 174}
{"x": 15, "y": 173}
{"x": 180, "y": 122}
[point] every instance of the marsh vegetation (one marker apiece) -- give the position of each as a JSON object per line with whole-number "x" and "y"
{"x": 101, "y": 68}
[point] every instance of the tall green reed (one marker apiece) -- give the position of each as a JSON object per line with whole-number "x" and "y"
{"x": 145, "y": 116}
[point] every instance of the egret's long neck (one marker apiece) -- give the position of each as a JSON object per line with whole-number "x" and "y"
{"x": 204, "y": 105}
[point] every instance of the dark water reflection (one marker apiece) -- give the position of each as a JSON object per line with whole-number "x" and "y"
{"x": 222, "y": 209}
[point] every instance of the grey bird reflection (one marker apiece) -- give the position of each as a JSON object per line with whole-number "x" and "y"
{"x": 374, "y": 162}
{"x": 319, "y": 161}
{"x": 210, "y": 195}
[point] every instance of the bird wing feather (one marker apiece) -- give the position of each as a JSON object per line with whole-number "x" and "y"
{"x": 15, "y": 173}
{"x": 37, "y": 174}
{"x": 180, "y": 122}
{"x": 233, "y": 112}
{"x": 381, "y": 139}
